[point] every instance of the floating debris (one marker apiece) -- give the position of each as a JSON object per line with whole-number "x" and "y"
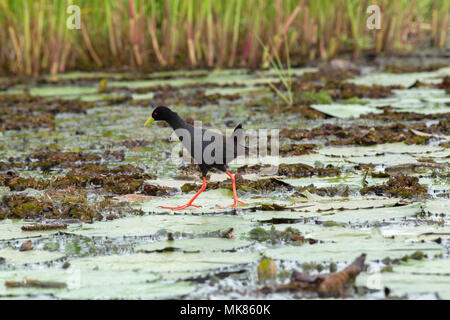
{"x": 26, "y": 246}
{"x": 400, "y": 185}
{"x": 29, "y": 283}
{"x": 335, "y": 284}
{"x": 44, "y": 227}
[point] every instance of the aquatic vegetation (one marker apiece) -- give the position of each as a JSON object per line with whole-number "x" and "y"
{"x": 302, "y": 170}
{"x": 289, "y": 235}
{"x": 20, "y": 206}
{"x": 400, "y": 185}
{"x": 88, "y": 191}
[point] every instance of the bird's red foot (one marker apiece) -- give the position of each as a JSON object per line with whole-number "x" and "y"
{"x": 234, "y": 205}
{"x": 181, "y": 207}
{"x": 189, "y": 204}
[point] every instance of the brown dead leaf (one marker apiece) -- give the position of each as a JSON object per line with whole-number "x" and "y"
{"x": 272, "y": 207}
{"x": 44, "y": 227}
{"x": 28, "y": 283}
{"x": 334, "y": 284}
{"x": 424, "y": 134}
{"x": 26, "y": 246}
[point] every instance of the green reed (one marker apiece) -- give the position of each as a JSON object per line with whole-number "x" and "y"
{"x": 146, "y": 35}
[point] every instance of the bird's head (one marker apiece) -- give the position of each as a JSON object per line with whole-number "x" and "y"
{"x": 160, "y": 113}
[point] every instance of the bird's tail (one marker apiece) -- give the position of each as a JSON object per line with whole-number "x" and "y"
{"x": 239, "y": 144}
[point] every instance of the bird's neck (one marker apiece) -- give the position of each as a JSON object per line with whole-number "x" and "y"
{"x": 176, "y": 122}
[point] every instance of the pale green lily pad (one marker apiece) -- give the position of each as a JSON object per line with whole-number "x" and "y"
{"x": 344, "y": 234}
{"x": 379, "y": 149}
{"x": 80, "y": 74}
{"x": 437, "y": 206}
{"x": 59, "y": 91}
{"x": 261, "y": 216}
{"x": 323, "y": 182}
{"x": 293, "y": 71}
{"x": 95, "y": 284}
{"x": 420, "y": 93}
{"x": 217, "y": 76}
{"x": 426, "y": 232}
{"x": 150, "y": 224}
{"x": 10, "y": 229}
{"x": 425, "y": 276}
{"x": 141, "y": 96}
{"x": 327, "y": 204}
{"x": 16, "y": 257}
{"x": 418, "y": 100}
{"x": 403, "y": 79}
{"x": 239, "y": 90}
{"x": 93, "y": 96}
{"x": 391, "y": 159}
{"x": 167, "y": 262}
{"x": 345, "y": 110}
{"x": 109, "y": 290}
{"x": 347, "y": 251}
{"x": 436, "y": 266}
{"x": 372, "y": 215}
{"x": 435, "y": 185}
{"x": 445, "y": 154}
{"x": 198, "y": 244}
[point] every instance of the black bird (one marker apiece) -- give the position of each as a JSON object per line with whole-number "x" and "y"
{"x": 208, "y": 148}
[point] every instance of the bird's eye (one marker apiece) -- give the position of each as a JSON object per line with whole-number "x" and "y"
{"x": 155, "y": 114}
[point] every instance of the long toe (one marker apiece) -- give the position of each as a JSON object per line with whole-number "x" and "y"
{"x": 181, "y": 207}
{"x": 234, "y": 205}
{"x": 174, "y": 208}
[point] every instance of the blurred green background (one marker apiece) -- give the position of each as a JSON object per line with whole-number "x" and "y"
{"x": 148, "y": 35}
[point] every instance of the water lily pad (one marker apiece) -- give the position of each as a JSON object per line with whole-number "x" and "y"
{"x": 16, "y": 257}
{"x": 323, "y": 182}
{"x": 345, "y": 110}
{"x": 372, "y": 215}
{"x": 437, "y": 206}
{"x": 425, "y": 276}
{"x": 379, "y": 149}
{"x": 384, "y": 159}
{"x": 403, "y": 79}
{"x": 198, "y": 244}
{"x": 168, "y": 262}
{"x": 328, "y": 204}
{"x": 345, "y": 251}
{"x": 58, "y": 91}
{"x": 86, "y": 283}
{"x": 11, "y": 229}
{"x": 150, "y": 224}
{"x": 420, "y": 232}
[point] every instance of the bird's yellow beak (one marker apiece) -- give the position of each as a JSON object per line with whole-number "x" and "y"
{"x": 150, "y": 120}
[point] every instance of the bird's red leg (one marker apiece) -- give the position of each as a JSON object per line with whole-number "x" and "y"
{"x": 189, "y": 204}
{"x": 233, "y": 181}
